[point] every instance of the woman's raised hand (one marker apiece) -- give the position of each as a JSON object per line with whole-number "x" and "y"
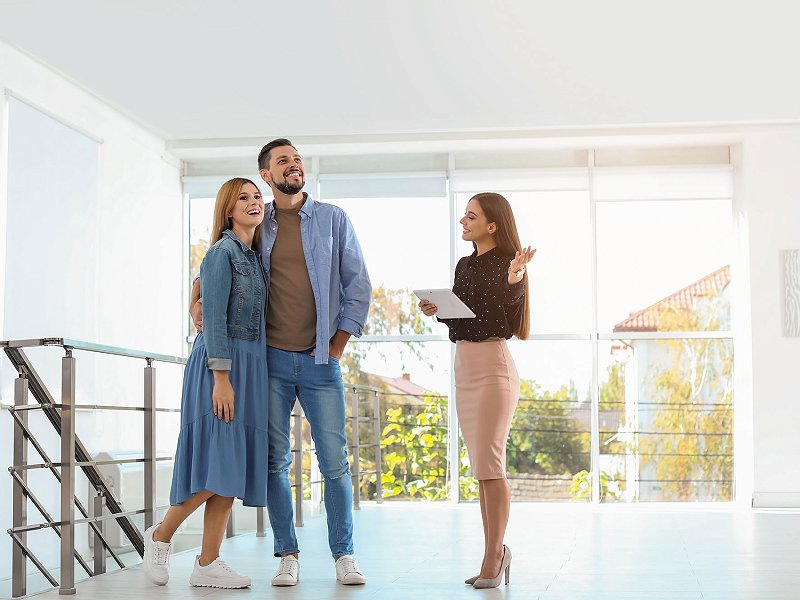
{"x": 521, "y": 259}
{"x": 428, "y": 309}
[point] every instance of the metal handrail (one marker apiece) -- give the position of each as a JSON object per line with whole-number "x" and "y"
{"x": 88, "y": 463}
{"x": 93, "y": 347}
{"x": 91, "y": 407}
{"x": 74, "y": 455}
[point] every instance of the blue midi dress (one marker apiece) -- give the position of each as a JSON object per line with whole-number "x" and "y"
{"x": 229, "y": 459}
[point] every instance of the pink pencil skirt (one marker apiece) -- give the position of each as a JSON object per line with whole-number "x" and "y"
{"x": 487, "y": 392}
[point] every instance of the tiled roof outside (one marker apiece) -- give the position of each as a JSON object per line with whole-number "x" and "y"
{"x": 647, "y": 319}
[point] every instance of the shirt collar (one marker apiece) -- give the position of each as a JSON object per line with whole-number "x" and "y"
{"x": 483, "y": 258}
{"x": 232, "y": 235}
{"x": 306, "y": 209}
{"x": 308, "y": 205}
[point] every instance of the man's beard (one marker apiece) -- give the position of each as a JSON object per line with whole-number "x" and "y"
{"x": 288, "y": 188}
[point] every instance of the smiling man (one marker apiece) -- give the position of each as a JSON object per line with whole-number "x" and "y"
{"x": 318, "y": 296}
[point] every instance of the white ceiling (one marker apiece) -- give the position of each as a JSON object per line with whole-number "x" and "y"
{"x": 207, "y": 69}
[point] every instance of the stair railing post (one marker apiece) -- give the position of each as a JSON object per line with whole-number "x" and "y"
{"x": 149, "y": 444}
{"x": 67, "y": 586}
{"x": 356, "y": 453}
{"x": 98, "y": 506}
{"x": 19, "y": 564}
{"x": 376, "y": 410}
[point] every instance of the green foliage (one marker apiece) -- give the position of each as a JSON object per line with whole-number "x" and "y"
{"x": 196, "y": 253}
{"x": 695, "y": 396}
{"x": 391, "y": 312}
{"x": 414, "y": 442}
{"x": 581, "y": 487}
{"x": 545, "y": 436}
{"x": 612, "y": 392}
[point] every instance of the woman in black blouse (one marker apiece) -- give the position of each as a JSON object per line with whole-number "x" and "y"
{"x": 492, "y": 282}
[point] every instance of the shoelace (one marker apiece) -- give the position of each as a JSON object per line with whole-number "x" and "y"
{"x": 161, "y": 554}
{"x": 286, "y": 567}
{"x": 349, "y": 565}
{"x": 226, "y": 567}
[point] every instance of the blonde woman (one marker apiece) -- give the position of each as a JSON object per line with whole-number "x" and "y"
{"x": 492, "y": 282}
{"x": 222, "y": 447}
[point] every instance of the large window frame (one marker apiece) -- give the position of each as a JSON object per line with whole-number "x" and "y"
{"x": 582, "y": 178}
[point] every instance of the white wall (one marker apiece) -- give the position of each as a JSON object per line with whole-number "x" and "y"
{"x": 127, "y": 288}
{"x": 768, "y": 165}
{"x": 139, "y": 216}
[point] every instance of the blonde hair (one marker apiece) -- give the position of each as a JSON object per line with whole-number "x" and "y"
{"x": 506, "y": 238}
{"x": 227, "y": 197}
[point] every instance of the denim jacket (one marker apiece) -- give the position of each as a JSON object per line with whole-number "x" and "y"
{"x": 336, "y": 268}
{"x": 234, "y": 293}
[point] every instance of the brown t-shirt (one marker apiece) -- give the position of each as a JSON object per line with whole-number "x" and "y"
{"x": 291, "y": 310}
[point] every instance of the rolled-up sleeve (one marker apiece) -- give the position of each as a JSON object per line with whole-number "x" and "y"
{"x": 215, "y": 286}
{"x": 356, "y": 286}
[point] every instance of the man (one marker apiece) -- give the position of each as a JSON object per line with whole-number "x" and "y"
{"x": 319, "y": 295}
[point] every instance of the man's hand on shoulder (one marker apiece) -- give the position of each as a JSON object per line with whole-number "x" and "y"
{"x": 196, "y": 313}
{"x": 196, "y": 306}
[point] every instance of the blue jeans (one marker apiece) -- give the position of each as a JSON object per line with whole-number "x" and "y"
{"x": 321, "y": 393}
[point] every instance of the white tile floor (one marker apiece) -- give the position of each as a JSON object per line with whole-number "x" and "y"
{"x": 561, "y": 552}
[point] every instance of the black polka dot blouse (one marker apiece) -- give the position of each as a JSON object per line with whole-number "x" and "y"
{"x": 481, "y": 283}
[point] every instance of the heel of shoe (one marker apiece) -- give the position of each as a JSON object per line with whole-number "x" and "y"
{"x": 508, "y": 573}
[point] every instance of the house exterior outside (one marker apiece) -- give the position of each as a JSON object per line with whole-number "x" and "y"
{"x": 650, "y": 402}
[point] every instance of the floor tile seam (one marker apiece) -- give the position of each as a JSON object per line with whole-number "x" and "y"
{"x": 696, "y": 576}
{"x": 565, "y": 562}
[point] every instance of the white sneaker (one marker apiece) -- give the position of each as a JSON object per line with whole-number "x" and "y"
{"x": 217, "y": 575}
{"x": 347, "y": 571}
{"x": 288, "y": 572}
{"x": 156, "y": 557}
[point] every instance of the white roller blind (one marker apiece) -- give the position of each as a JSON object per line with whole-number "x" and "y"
{"x": 506, "y": 180}
{"x": 207, "y": 186}
{"x": 663, "y": 183}
{"x": 390, "y": 186}
{"x": 51, "y": 245}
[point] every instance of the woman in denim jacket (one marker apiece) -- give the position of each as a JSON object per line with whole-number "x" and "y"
{"x": 222, "y": 447}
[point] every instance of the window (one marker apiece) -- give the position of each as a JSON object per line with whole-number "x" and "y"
{"x": 664, "y": 240}
{"x": 406, "y": 244}
{"x": 627, "y": 374}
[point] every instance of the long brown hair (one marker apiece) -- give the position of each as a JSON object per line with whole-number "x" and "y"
{"x": 506, "y": 238}
{"x": 227, "y": 197}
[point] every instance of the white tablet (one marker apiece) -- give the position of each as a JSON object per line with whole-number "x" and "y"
{"x": 450, "y": 306}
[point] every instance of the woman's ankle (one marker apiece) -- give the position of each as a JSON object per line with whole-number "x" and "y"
{"x": 157, "y": 537}
{"x": 204, "y": 560}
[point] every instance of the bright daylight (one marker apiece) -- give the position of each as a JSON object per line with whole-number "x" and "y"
{"x": 386, "y": 300}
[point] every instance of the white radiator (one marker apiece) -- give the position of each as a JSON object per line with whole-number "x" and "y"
{"x": 126, "y": 483}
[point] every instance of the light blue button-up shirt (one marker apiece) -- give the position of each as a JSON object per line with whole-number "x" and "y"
{"x": 336, "y": 268}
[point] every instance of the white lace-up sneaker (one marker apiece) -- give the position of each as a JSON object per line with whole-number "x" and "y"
{"x": 288, "y": 572}
{"x": 217, "y": 574}
{"x": 347, "y": 571}
{"x": 156, "y": 557}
